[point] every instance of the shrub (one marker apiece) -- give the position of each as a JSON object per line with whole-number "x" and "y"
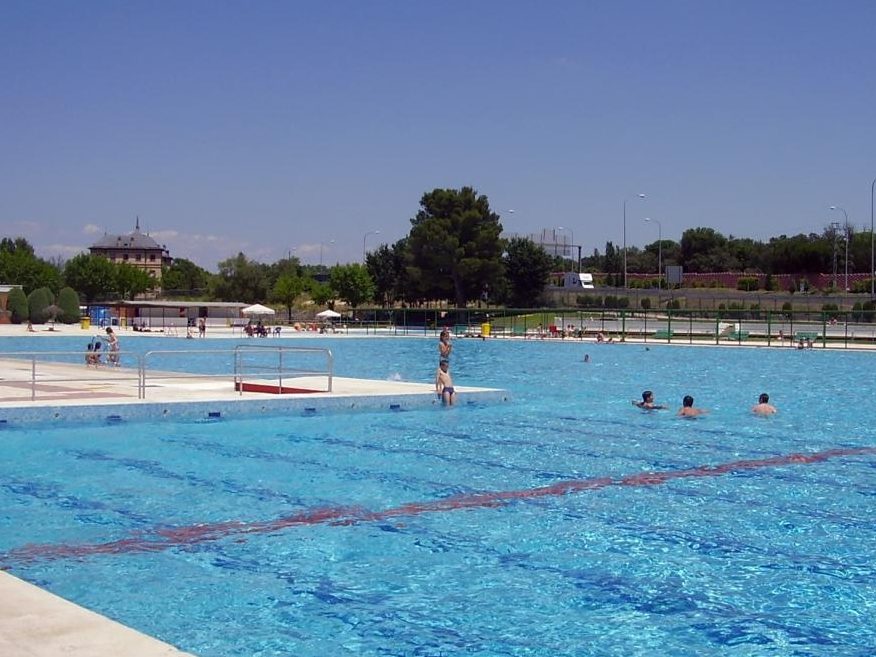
{"x": 68, "y": 301}
{"x": 645, "y": 303}
{"x": 747, "y": 283}
{"x": 830, "y": 310}
{"x": 861, "y": 286}
{"x": 588, "y": 301}
{"x": 37, "y": 302}
{"x": 17, "y": 305}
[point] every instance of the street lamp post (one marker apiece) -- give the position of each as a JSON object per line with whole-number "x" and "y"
{"x": 872, "y": 262}
{"x": 834, "y": 228}
{"x": 571, "y": 243}
{"x": 364, "y": 238}
{"x": 846, "y": 231}
{"x": 321, "y": 248}
{"x": 625, "y": 239}
{"x": 659, "y": 252}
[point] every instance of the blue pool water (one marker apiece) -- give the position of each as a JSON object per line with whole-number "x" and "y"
{"x": 566, "y": 522}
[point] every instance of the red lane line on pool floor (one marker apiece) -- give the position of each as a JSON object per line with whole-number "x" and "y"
{"x": 164, "y": 539}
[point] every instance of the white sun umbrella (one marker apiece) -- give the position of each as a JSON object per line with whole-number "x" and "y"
{"x": 258, "y": 309}
{"x": 328, "y": 314}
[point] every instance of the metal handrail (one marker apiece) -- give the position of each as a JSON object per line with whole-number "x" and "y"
{"x": 36, "y": 356}
{"x": 140, "y": 373}
{"x": 280, "y": 369}
{"x": 238, "y": 365}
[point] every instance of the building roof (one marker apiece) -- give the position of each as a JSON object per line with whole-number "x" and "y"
{"x": 135, "y": 240}
{"x": 181, "y": 304}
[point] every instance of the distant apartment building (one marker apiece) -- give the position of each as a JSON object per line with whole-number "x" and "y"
{"x": 136, "y": 249}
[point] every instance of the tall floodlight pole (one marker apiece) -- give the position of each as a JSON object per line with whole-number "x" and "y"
{"x": 659, "y": 252}
{"x": 571, "y": 242}
{"x": 872, "y": 262}
{"x": 370, "y": 232}
{"x": 322, "y": 248}
{"x": 846, "y": 230}
{"x": 625, "y": 239}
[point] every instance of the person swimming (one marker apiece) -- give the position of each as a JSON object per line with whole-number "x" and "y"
{"x": 647, "y": 402}
{"x": 687, "y": 408}
{"x": 763, "y": 406}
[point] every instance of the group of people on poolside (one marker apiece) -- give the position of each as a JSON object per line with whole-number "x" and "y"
{"x": 93, "y": 353}
{"x": 443, "y": 382}
{"x": 647, "y": 403}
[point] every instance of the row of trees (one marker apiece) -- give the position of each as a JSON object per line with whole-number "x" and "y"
{"x": 707, "y": 250}
{"x": 454, "y": 251}
{"x": 94, "y": 277}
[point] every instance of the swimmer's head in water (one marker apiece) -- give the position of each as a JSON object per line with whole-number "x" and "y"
{"x": 647, "y": 396}
{"x": 687, "y": 401}
{"x": 764, "y": 398}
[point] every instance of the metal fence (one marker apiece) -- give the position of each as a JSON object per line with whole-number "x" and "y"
{"x": 843, "y": 329}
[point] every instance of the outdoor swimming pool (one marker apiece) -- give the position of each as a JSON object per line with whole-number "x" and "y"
{"x": 566, "y": 522}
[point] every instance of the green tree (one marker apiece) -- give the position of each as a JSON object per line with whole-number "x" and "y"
{"x": 527, "y": 268}
{"x": 19, "y": 265}
{"x": 320, "y": 293}
{"x": 241, "y": 279}
{"x": 386, "y": 266}
{"x": 68, "y": 301}
{"x": 16, "y": 303}
{"x": 352, "y": 284}
{"x": 381, "y": 267}
{"x": 706, "y": 250}
{"x": 93, "y": 275}
{"x": 286, "y": 290}
{"x": 131, "y": 281}
{"x": 455, "y": 245}
{"x": 289, "y": 266}
{"x": 185, "y": 277}
{"x": 800, "y": 254}
{"x": 16, "y": 245}
{"x": 37, "y": 302}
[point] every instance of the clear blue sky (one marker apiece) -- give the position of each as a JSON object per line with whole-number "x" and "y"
{"x": 271, "y": 126}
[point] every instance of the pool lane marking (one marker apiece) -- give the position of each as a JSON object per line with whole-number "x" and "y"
{"x": 187, "y": 535}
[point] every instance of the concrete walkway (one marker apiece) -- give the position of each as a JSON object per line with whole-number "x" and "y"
{"x": 36, "y": 623}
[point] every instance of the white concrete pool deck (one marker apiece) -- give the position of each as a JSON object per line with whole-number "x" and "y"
{"x": 36, "y": 623}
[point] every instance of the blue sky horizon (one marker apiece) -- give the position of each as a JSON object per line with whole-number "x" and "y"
{"x": 306, "y": 127}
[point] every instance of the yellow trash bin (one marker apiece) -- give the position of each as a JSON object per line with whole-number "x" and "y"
{"x": 485, "y": 330}
{"x": 85, "y": 323}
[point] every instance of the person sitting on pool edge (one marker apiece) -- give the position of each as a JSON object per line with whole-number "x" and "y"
{"x": 687, "y": 408}
{"x": 763, "y": 406}
{"x": 444, "y": 384}
{"x": 647, "y": 402}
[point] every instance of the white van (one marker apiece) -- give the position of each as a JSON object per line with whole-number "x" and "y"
{"x": 573, "y": 279}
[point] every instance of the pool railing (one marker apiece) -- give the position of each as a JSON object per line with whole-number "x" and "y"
{"x": 246, "y": 363}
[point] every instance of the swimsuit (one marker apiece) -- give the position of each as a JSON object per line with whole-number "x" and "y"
{"x": 447, "y": 389}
